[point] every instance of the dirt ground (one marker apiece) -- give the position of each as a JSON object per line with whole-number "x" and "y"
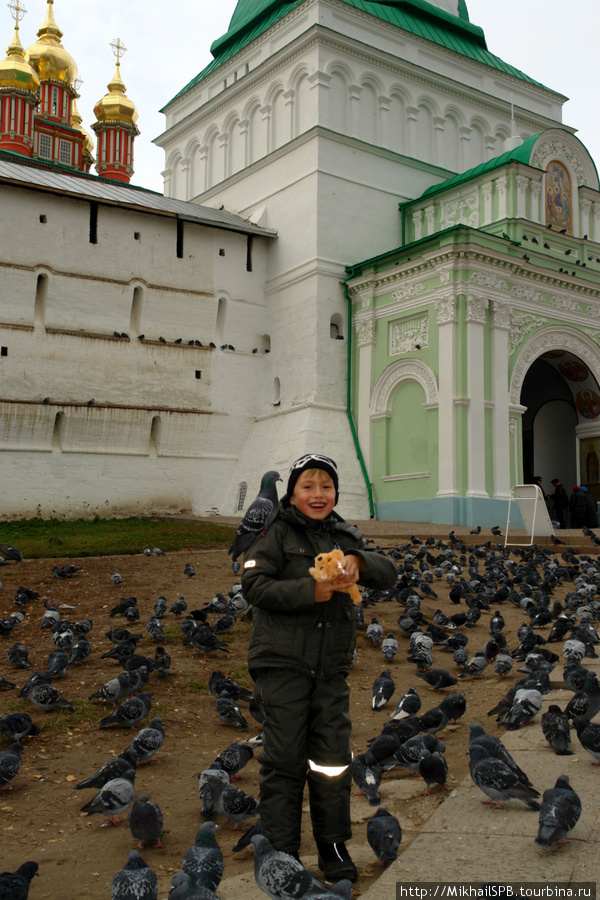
{"x": 40, "y": 816}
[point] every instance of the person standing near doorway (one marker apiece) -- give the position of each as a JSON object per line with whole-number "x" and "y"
{"x": 561, "y": 502}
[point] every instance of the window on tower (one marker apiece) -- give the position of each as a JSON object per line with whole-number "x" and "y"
{"x": 54, "y": 103}
{"x": 45, "y": 146}
{"x": 66, "y": 153}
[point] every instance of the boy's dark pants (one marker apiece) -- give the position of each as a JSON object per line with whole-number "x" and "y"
{"x": 305, "y": 719}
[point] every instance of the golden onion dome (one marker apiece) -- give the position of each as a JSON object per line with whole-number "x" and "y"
{"x": 77, "y": 122}
{"x": 15, "y": 73}
{"x": 48, "y": 56}
{"x": 116, "y": 105}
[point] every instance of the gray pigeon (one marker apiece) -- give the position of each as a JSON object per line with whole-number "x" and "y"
{"x": 18, "y": 656}
{"x": 47, "y": 698}
{"x": 204, "y": 790}
{"x": 389, "y": 646}
{"x": 10, "y": 763}
{"x": 130, "y": 712}
{"x": 496, "y": 749}
{"x": 526, "y": 704}
{"x": 17, "y": 725}
{"x": 559, "y": 813}
{"x": 231, "y": 802}
{"x": 148, "y": 740}
{"x": 233, "y": 758}
{"x": 437, "y": 678}
{"x": 586, "y": 702}
{"x": 117, "y": 688}
{"x": 204, "y": 861}
{"x": 383, "y": 689}
{"x": 183, "y": 887}
{"x": 116, "y": 767}
{"x": 135, "y": 881}
{"x": 145, "y": 821}
{"x": 112, "y": 799}
{"x": 557, "y": 730}
{"x": 280, "y": 875}
{"x": 503, "y": 664}
{"x": 384, "y": 835}
{"x": 367, "y": 778}
{"x": 497, "y": 780}
{"x": 229, "y": 711}
{"x": 433, "y": 769}
{"x": 257, "y": 517}
{"x": 15, "y": 885}
{"x": 57, "y": 664}
{"x": 160, "y": 607}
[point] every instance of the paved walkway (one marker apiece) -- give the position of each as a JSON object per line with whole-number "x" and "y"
{"x": 465, "y": 840}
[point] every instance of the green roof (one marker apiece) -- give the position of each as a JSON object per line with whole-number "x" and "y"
{"x": 252, "y": 17}
{"x": 522, "y": 154}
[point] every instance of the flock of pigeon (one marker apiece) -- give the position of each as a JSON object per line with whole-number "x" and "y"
{"x": 448, "y": 650}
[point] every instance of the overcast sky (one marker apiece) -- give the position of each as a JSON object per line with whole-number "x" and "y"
{"x": 553, "y": 41}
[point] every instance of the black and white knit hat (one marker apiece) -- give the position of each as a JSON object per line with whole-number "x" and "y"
{"x": 312, "y": 461}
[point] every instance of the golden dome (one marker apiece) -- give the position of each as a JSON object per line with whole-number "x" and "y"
{"x": 48, "y": 56}
{"x": 14, "y": 71}
{"x": 77, "y": 122}
{"x": 116, "y": 105}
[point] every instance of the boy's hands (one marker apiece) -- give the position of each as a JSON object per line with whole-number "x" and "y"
{"x": 353, "y": 566}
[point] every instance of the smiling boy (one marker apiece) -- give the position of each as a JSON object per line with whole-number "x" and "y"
{"x": 301, "y": 649}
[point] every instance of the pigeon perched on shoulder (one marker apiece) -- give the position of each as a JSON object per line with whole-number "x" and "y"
{"x": 383, "y": 689}
{"x": 257, "y": 517}
{"x": 112, "y": 799}
{"x": 384, "y": 835}
{"x": 145, "y": 821}
{"x": 559, "y": 813}
{"x": 15, "y": 885}
{"x": 148, "y": 740}
{"x": 280, "y": 875}
{"x": 10, "y": 763}
{"x": 557, "y": 731}
{"x": 130, "y": 712}
{"x": 17, "y": 725}
{"x": 135, "y": 881}
{"x": 204, "y": 860}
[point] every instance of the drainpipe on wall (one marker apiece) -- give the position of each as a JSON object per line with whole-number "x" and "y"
{"x": 349, "y": 405}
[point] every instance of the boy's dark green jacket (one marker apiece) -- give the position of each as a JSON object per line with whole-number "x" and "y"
{"x": 289, "y": 629}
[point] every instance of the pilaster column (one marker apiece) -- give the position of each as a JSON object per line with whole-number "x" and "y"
{"x": 446, "y": 320}
{"x": 475, "y": 319}
{"x": 265, "y": 112}
{"x": 355, "y": 92}
{"x": 535, "y": 192}
{"x": 439, "y": 125}
{"x": 501, "y": 397}
{"x": 417, "y": 220}
{"x": 487, "y": 191}
{"x": 596, "y": 207}
{"x": 364, "y": 324}
{"x": 522, "y": 185}
{"x": 430, "y": 219}
{"x": 223, "y": 140}
{"x": 585, "y": 207}
{"x": 502, "y": 189}
{"x": 290, "y": 99}
{"x": 412, "y": 116}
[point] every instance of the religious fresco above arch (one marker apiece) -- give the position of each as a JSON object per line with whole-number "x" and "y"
{"x": 558, "y": 197}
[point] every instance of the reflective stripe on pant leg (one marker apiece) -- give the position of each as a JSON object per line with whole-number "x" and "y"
{"x": 284, "y": 696}
{"x": 329, "y": 748}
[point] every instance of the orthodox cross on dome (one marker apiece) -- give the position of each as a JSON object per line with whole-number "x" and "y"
{"x": 118, "y": 48}
{"x": 17, "y": 11}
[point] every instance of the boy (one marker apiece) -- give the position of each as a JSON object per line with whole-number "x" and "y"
{"x": 301, "y": 649}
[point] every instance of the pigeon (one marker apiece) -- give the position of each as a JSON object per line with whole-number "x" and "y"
{"x": 57, "y": 664}
{"x": 433, "y": 768}
{"x": 79, "y": 652}
{"x": 135, "y": 881}
{"x": 233, "y": 758}
{"x": 454, "y": 705}
{"x": 218, "y": 684}
{"x": 433, "y": 720}
{"x": 32, "y": 681}
{"x": 160, "y": 607}
{"x": 438, "y": 678}
{"x": 46, "y": 698}
{"x": 116, "y": 578}
{"x": 526, "y": 704}
{"x": 148, "y": 740}
{"x": 409, "y": 753}
{"x": 375, "y": 632}
{"x": 383, "y": 746}
{"x": 367, "y": 778}
{"x": 15, "y": 726}
{"x": 224, "y": 623}
{"x": 10, "y": 552}
{"x": 408, "y": 705}
{"x": 112, "y": 799}
{"x": 231, "y": 802}
{"x": 15, "y": 885}
{"x": 204, "y": 790}
{"x": 117, "y": 688}
{"x": 123, "y": 605}
{"x": 18, "y": 656}
{"x": 145, "y": 822}
{"x": 383, "y": 689}
{"x": 189, "y": 570}
{"x": 117, "y": 635}
{"x": 10, "y": 763}
{"x": 280, "y": 875}
{"x": 257, "y": 517}
{"x": 229, "y": 712}
{"x": 475, "y": 667}
{"x": 183, "y": 887}
{"x": 204, "y": 860}
{"x": 155, "y": 629}
{"x": 503, "y": 664}
{"x": 389, "y": 646}
{"x": 559, "y": 813}
{"x": 588, "y": 734}
{"x": 497, "y": 780}
{"x": 116, "y": 767}
{"x": 586, "y": 702}
{"x": 162, "y": 661}
{"x": 178, "y": 607}
{"x": 557, "y": 731}
{"x": 130, "y": 712}
{"x": 384, "y": 835}
{"x": 496, "y": 749}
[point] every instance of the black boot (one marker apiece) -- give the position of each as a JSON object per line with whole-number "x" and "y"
{"x": 335, "y": 862}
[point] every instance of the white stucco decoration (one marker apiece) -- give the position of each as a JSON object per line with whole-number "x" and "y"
{"x": 392, "y": 377}
{"x": 520, "y": 326}
{"x": 553, "y": 338}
